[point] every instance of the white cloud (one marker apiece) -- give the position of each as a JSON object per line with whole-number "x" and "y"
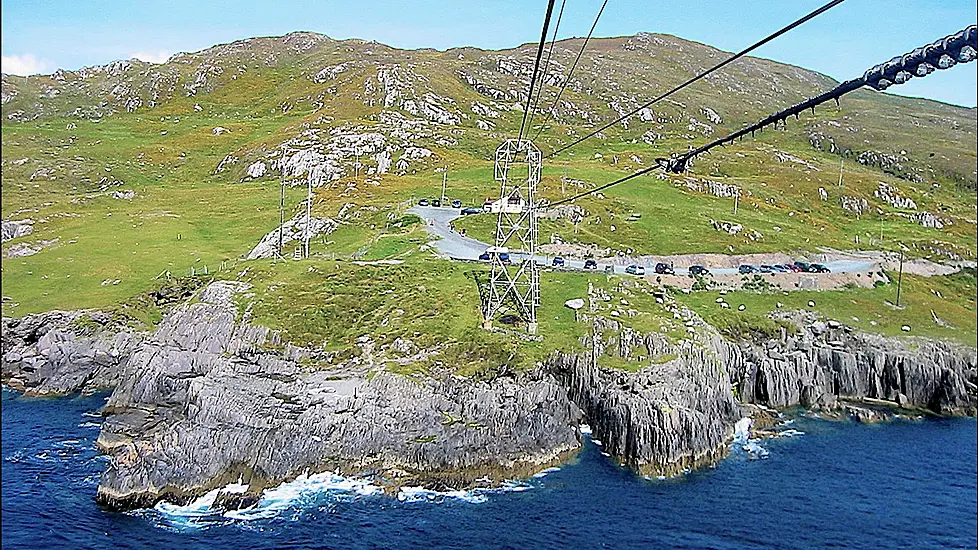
{"x": 24, "y": 65}
{"x": 160, "y": 56}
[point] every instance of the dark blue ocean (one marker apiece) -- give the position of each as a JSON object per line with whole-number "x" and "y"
{"x": 904, "y": 484}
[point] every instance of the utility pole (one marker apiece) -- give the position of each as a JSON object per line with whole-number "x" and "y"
{"x": 563, "y": 183}
{"x": 356, "y": 167}
{"x": 281, "y": 218}
{"x": 736, "y": 200}
{"x": 444, "y": 183}
{"x": 307, "y": 232}
{"x": 841, "y": 164}
{"x": 900, "y": 279}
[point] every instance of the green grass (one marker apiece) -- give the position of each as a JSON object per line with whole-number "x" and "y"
{"x": 951, "y": 297}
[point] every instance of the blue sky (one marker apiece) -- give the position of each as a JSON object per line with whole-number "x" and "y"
{"x": 43, "y": 35}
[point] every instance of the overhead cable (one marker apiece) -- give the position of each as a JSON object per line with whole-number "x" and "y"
{"x": 536, "y": 66}
{"x": 960, "y": 47}
{"x": 570, "y": 73}
{"x": 706, "y": 73}
{"x": 546, "y": 67}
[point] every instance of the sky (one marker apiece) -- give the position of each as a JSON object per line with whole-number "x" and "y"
{"x": 40, "y": 36}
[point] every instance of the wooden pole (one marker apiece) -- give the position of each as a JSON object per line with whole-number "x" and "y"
{"x": 900, "y": 279}
{"x": 281, "y": 218}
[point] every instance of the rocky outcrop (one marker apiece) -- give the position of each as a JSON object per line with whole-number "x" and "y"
{"x": 827, "y": 361}
{"x": 665, "y": 418}
{"x": 54, "y": 354}
{"x": 292, "y": 231}
{"x": 14, "y": 229}
{"x": 211, "y": 399}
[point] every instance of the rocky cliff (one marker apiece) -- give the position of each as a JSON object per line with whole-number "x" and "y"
{"x": 211, "y": 398}
{"x": 826, "y": 361}
{"x": 53, "y": 353}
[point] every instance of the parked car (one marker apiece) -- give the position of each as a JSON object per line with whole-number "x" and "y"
{"x": 765, "y": 268}
{"x": 635, "y": 270}
{"x": 790, "y": 268}
{"x": 436, "y": 202}
{"x": 590, "y": 264}
{"x": 485, "y": 257}
{"x": 558, "y": 262}
{"x": 778, "y": 268}
{"x": 818, "y": 268}
{"x": 456, "y": 203}
{"x": 802, "y": 266}
{"x": 746, "y": 268}
{"x": 698, "y": 270}
{"x": 471, "y": 210}
{"x": 423, "y": 202}
{"x": 504, "y": 257}
{"x": 664, "y": 269}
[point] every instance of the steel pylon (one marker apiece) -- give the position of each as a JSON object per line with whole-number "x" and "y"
{"x": 515, "y": 281}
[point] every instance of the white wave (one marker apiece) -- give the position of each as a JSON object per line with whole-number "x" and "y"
{"x": 742, "y": 429}
{"x": 418, "y": 494}
{"x": 89, "y": 425}
{"x": 791, "y": 433}
{"x": 543, "y": 473}
{"x": 597, "y": 442}
{"x": 755, "y": 450}
{"x": 585, "y": 429}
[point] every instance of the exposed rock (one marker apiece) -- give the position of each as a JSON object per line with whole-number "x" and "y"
{"x": 15, "y": 229}
{"x": 291, "y": 230}
{"x": 51, "y": 354}
{"x": 207, "y": 402}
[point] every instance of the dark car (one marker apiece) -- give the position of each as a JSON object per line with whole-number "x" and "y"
{"x": 818, "y": 268}
{"x": 635, "y": 270}
{"x": 790, "y": 268}
{"x": 484, "y": 256}
{"x": 664, "y": 269}
{"x": 435, "y": 202}
{"x": 423, "y": 202}
{"x": 590, "y": 264}
{"x": 778, "y": 268}
{"x": 746, "y": 268}
{"x": 802, "y": 266}
{"x": 471, "y": 210}
{"x": 558, "y": 262}
{"x": 766, "y": 268}
{"x": 456, "y": 203}
{"x": 698, "y": 270}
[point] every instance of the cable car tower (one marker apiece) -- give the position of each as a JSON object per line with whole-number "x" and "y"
{"x": 515, "y": 278}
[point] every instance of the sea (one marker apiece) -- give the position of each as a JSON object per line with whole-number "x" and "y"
{"x": 821, "y": 484}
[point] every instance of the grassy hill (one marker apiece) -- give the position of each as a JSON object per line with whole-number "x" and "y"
{"x": 133, "y": 171}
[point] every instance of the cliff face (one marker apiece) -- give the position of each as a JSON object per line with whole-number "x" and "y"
{"x": 207, "y": 402}
{"x": 208, "y": 398}
{"x": 828, "y": 361}
{"x": 48, "y": 354}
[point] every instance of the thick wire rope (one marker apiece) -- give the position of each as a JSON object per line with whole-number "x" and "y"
{"x": 546, "y": 67}
{"x": 706, "y": 73}
{"x": 961, "y": 47}
{"x": 570, "y": 73}
{"x": 536, "y": 67}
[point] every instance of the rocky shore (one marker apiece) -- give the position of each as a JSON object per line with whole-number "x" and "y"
{"x": 209, "y": 399}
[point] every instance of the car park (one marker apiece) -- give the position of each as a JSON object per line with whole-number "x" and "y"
{"x": 635, "y": 270}
{"x": 746, "y": 268}
{"x": 558, "y": 262}
{"x": 590, "y": 264}
{"x": 698, "y": 270}
{"x": 471, "y": 210}
{"x": 664, "y": 269}
{"x": 456, "y": 203}
{"x": 423, "y": 202}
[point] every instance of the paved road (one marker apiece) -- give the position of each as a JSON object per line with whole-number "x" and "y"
{"x": 453, "y": 245}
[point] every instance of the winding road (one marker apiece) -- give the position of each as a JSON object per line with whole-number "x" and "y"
{"x": 458, "y": 247}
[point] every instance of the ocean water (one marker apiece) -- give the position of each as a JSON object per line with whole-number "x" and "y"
{"x": 904, "y": 484}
